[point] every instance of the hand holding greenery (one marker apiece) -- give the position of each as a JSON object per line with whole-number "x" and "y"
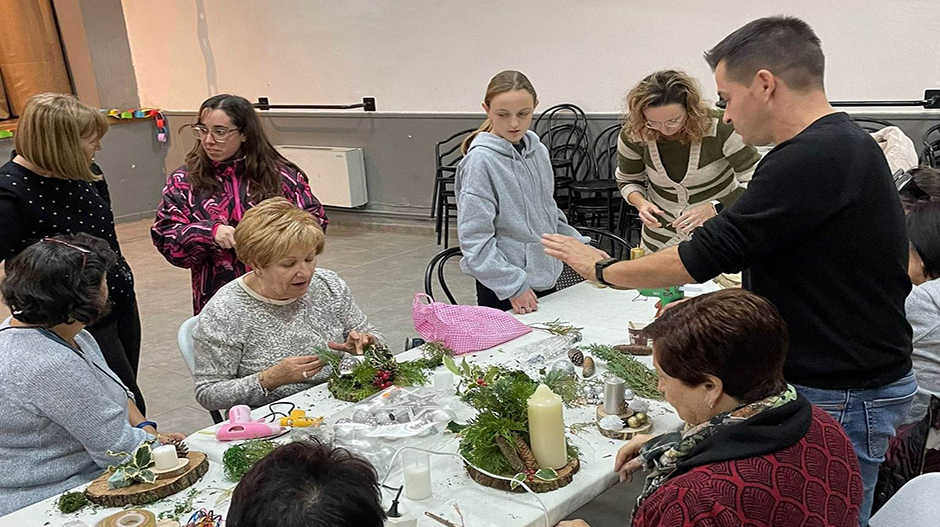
{"x": 379, "y": 370}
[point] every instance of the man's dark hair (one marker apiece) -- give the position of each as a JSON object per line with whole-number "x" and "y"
{"x": 733, "y": 334}
{"x": 784, "y": 45}
{"x": 308, "y": 484}
{"x": 58, "y": 280}
{"x": 923, "y": 229}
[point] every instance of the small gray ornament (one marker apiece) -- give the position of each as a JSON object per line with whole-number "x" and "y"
{"x": 564, "y": 366}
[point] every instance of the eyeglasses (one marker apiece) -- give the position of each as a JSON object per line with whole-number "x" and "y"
{"x": 666, "y": 125}
{"x": 220, "y": 134}
{"x": 85, "y": 252}
{"x": 721, "y": 104}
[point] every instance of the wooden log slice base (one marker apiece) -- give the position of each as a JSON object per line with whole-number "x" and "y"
{"x": 565, "y": 475}
{"x": 627, "y": 433}
{"x": 144, "y": 493}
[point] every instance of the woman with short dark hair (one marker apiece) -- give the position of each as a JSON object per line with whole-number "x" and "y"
{"x": 308, "y": 484}
{"x": 61, "y": 408}
{"x": 753, "y": 451}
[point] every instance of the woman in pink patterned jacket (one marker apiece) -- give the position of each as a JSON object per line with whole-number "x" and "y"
{"x": 231, "y": 168}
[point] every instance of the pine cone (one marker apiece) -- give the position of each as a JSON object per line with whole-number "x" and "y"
{"x": 576, "y": 356}
{"x": 181, "y": 447}
{"x": 510, "y": 454}
{"x": 525, "y": 453}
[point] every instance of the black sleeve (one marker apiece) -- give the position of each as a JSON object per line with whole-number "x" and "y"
{"x": 101, "y": 185}
{"x": 789, "y": 196}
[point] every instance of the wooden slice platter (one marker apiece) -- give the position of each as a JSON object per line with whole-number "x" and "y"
{"x": 143, "y": 493}
{"x": 565, "y": 475}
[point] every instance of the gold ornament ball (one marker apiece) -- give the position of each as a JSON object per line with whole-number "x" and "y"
{"x": 633, "y": 422}
{"x": 642, "y": 417}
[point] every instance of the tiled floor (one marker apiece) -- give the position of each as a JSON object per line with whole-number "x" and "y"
{"x": 384, "y": 270}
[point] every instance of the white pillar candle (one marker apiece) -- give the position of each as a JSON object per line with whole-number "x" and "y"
{"x": 417, "y": 470}
{"x": 165, "y": 456}
{"x": 547, "y": 428}
{"x": 443, "y": 380}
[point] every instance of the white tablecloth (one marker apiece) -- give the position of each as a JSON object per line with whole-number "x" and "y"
{"x": 603, "y": 313}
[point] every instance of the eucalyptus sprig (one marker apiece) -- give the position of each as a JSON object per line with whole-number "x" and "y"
{"x": 638, "y": 377}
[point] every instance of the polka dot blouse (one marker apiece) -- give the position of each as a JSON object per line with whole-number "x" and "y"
{"x": 33, "y": 207}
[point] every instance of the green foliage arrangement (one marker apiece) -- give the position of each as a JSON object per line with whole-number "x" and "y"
{"x": 638, "y": 377}
{"x": 497, "y": 439}
{"x": 238, "y": 459}
{"x": 380, "y": 370}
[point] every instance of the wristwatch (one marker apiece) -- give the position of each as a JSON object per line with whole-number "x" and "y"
{"x": 599, "y": 269}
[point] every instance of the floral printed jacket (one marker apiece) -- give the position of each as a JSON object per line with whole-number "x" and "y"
{"x": 184, "y": 230}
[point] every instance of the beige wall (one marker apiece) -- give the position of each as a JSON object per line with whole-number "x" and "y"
{"x": 437, "y": 56}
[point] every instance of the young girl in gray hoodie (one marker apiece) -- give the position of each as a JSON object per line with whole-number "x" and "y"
{"x": 505, "y": 186}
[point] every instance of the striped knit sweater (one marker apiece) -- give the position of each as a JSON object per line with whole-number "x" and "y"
{"x": 719, "y": 167}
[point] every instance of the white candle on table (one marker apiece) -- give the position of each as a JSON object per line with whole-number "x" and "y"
{"x": 417, "y": 470}
{"x": 165, "y": 456}
{"x": 547, "y": 428}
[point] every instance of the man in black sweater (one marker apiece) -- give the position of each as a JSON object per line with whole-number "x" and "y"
{"x": 819, "y": 231}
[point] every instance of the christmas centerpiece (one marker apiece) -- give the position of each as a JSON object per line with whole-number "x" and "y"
{"x": 356, "y": 378}
{"x": 518, "y": 432}
{"x": 147, "y": 475}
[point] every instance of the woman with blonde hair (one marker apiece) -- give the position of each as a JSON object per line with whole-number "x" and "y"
{"x": 231, "y": 168}
{"x": 52, "y": 186}
{"x": 257, "y": 338}
{"x": 505, "y": 202}
{"x": 680, "y": 164}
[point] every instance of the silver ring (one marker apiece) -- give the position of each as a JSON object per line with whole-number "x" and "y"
{"x": 305, "y": 374}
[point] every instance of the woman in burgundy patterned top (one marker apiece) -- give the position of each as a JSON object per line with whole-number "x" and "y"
{"x": 231, "y": 168}
{"x": 753, "y": 452}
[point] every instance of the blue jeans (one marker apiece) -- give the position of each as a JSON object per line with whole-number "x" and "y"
{"x": 869, "y": 418}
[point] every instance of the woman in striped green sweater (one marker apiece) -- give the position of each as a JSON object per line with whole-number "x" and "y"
{"x": 679, "y": 163}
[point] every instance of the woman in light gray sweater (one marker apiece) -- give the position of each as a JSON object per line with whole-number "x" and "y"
{"x": 923, "y": 304}
{"x": 505, "y": 187}
{"x": 257, "y": 339}
{"x": 61, "y": 408}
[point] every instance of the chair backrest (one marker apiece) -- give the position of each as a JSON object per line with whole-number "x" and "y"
{"x": 606, "y": 241}
{"x": 447, "y": 152}
{"x": 931, "y": 139}
{"x": 605, "y": 152}
{"x": 571, "y": 145}
{"x": 871, "y": 125}
{"x": 563, "y": 129}
{"x": 184, "y": 339}
{"x": 439, "y": 261}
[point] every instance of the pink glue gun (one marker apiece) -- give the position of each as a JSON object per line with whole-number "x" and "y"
{"x": 240, "y": 426}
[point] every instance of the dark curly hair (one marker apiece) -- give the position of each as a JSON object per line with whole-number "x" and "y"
{"x": 308, "y": 484}
{"x": 55, "y": 281}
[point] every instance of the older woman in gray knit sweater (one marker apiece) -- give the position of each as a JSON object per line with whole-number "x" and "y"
{"x": 257, "y": 339}
{"x": 61, "y": 408}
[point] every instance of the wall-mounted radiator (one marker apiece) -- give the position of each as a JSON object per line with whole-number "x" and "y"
{"x": 337, "y": 174}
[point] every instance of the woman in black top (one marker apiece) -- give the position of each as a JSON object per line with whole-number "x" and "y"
{"x": 51, "y": 187}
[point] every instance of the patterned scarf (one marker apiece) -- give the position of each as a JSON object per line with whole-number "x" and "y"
{"x": 662, "y": 454}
